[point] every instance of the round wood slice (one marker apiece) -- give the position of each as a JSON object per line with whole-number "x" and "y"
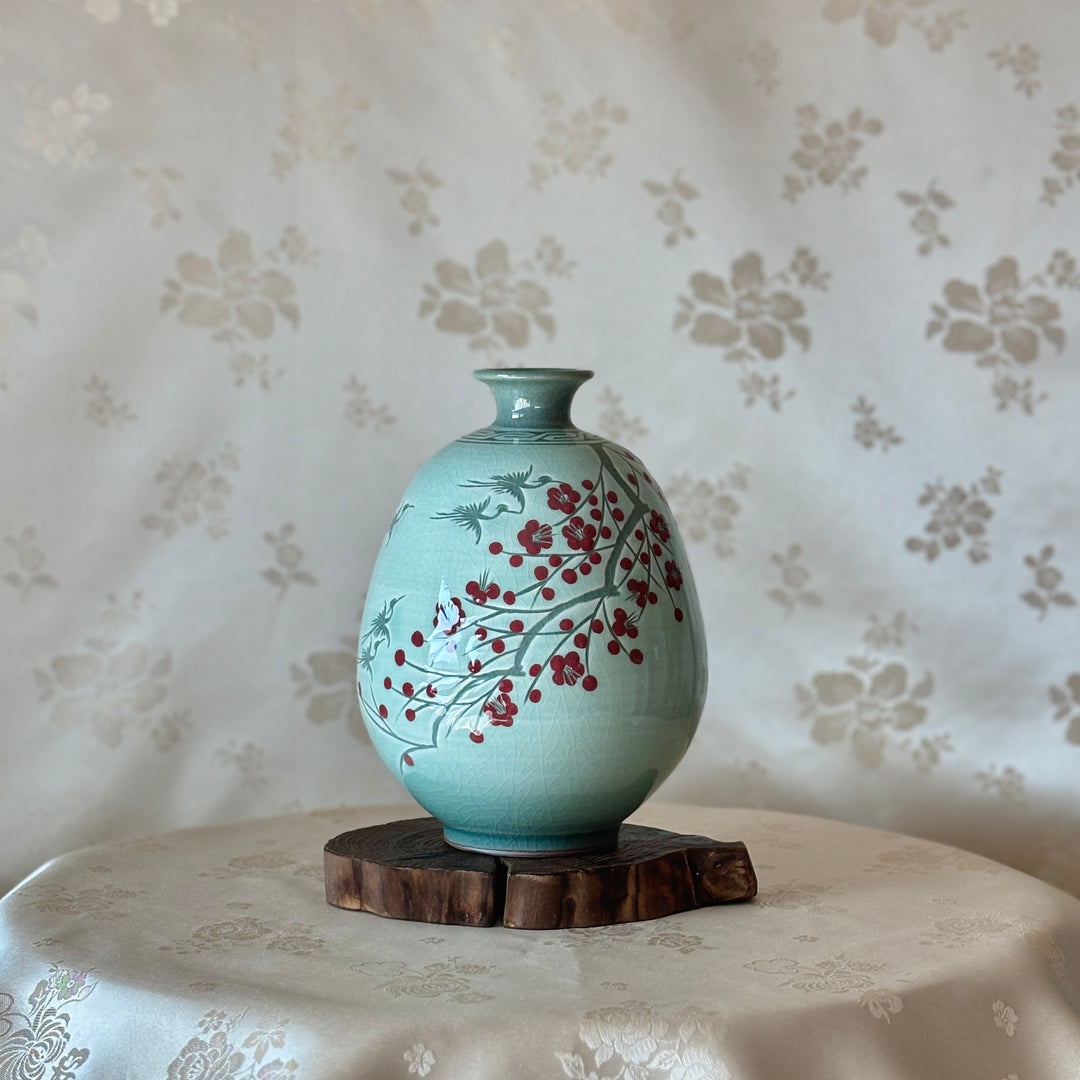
{"x": 405, "y": 870}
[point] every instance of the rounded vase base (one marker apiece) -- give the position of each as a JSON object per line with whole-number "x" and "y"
{"x": 532, "y": 847}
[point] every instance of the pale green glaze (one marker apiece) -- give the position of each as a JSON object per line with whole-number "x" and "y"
{"x": 532, "y": 661}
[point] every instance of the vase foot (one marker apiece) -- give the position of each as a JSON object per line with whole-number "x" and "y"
{"x": 532, "y": 847}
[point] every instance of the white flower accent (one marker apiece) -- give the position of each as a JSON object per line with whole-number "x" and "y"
{"x": 59, "y": 131}
{"x": 881, "y": 1003}
{"x": 420, "y": 1059}
{"x": 1005, "y": 1017}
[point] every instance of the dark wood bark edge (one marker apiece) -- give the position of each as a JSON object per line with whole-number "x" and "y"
{"x": 405, "y": 870}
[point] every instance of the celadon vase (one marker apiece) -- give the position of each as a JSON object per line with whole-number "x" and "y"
{"x": 531, "y": 661}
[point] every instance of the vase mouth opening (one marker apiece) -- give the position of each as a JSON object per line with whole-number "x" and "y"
{"x": 533, "y": 398}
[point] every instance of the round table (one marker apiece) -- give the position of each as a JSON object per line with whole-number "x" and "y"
{"x": 211, "y": 954}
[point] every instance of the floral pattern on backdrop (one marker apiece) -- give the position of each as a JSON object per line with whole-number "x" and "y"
{"x": 819, "y": 255}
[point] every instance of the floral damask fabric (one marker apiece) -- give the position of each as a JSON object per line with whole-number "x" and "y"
{"x": 912, "y": 959}
{"x": 821, "y": 256}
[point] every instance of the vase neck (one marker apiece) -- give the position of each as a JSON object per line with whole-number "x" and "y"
{"x": 531, "y": 398}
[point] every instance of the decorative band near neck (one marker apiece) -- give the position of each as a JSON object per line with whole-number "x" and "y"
{"x": 531, "y": 398}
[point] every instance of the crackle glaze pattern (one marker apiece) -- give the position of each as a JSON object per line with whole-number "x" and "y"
{"x": 531, "y": 660}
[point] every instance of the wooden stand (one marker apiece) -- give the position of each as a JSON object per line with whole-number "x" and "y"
{"x": 405, "y": 870}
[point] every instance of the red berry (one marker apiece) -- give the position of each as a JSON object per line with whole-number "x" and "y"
{"x": 399, "y": 657}
{"x": 497, "y": 646}
{"x": 547, "y": 593}
{"x": 430, "y": 690}
{"x": 495, "y": 547}
{"x": 407, "y": 759}
{"x": 481, "y": 633}
{"x": 652, "y": 598}
{"x": 516, "y": 626}
{"x": 586, "y": 569}
{"x": 540, "y": 573}
{"x": 626, "y": 563}
{"x": 589, "y": 682}
{"x": 593, "y": 500}
{"x": 631, "y": 477}
{"x": 656, "y": 549}
{"x": 635, "y": 656}
{"x": 612, "y": 497}
{"x": 581, "y": 641}
{"x": 506, "y": 686}
{"x": 587, "y": 485}
{"x": 535, "y": 670}
{"x": 508, "y": 597}
{"x": 597, "y": 626}
{"x": 644, "y": 557}
{"x": 596, "y": 515}
{"x": 555, "y": 560}
{"x": 566, "y": 624}
{"x": 382, "y": 711}
{"x": 474, "y": 666}
{"x": 417, "y": 638}
{"x": 492, "y": 591}
{"x": 613, "y": 647}
{"x": 388, "y": 682}
{"x": 678, "y": 614}
{"x": 638, "y": 534}
{"x": 407, "y": 689}
{"x": 595, "y": 558}
{"x": 569, "y": 576}
{"x": 534, "y": 696}
{"x": 516, "y": 560}
{"x": 605, "y": 533}
{"x": 476, "y": 736}
{"x": 410, "y": 714}
{"x": 617, "y": 514}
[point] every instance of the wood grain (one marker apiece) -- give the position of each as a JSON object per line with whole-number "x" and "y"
{"x": 405, "y": 870}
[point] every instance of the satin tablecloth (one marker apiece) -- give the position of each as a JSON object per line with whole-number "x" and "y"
{"x": 210, "y": 954}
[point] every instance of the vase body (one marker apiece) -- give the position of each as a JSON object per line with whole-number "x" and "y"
{"x": 531, "y": 659}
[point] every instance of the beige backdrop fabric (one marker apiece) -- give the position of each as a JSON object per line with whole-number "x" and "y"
{"x": 822, "y": 255}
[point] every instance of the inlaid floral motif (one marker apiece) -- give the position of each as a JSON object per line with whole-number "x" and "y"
{"x": 60, "y": 130}
{"x": 495, "y": 304}
{"x": 752, "y": 316}
{"x": 43, "y": 1041}
{"x": 1003, "y": 324}
{"x": 361, "y": 410}
{"x": 195, "y": 492}
{"x": 671, "y": 211}
{"x": 634, "y": 1040}
{"x": 94, "y": 902}
{"x": 1023, "y": 61}
{"x": 1005, "y": 1018}
{"x": 763, "y": 59}
{"x": 1066, "y": 701}
{"x": 28, "y": 253}
{"x": 928, "y": 206}
{"x": 288, "y": 555}
{"x": 156, "y": 193}
{"x": 417, "y": 185}
{"x": 707, "y": 508}
{"x": 827, "y": 153}
{"x": 958, "y": 515}
{"x": 794, "y": 588}
{"x": 874, "y": 703}
{"x": 1066, "y": 158}
{"x": 1047, "y": 592}
{"x": 327, "y": 682}
{"x": 882, "y": 19}
{"x": 870, "y": 432}
{"x": 530, "y": 633}
{"x": 239, "y": 295}
{"x": 615, "y": 422}
{"x": 115, "y": 684}
{"x": 836, "y": 974}
{"x": 317, "y": 128}
{"x": 964, "y": 930}
{"x": 574, "y": 140}
{"x": 29, "y": 572}
{"x": 219, "y": 1053}
{"x": 103, "y": 409}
